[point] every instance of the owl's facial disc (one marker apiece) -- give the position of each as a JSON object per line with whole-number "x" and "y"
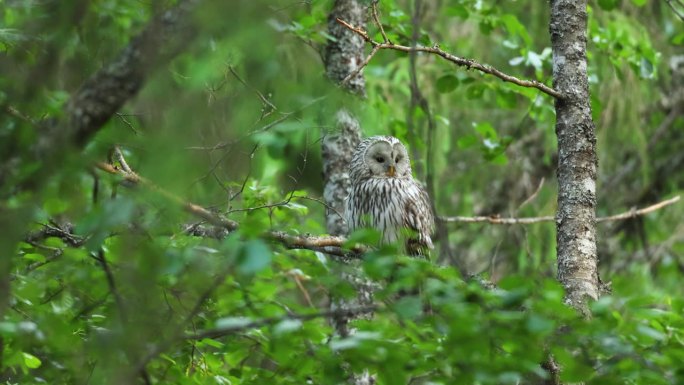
{"x": 387, "y": 161}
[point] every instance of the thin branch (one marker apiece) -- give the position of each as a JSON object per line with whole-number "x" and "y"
{"x": 524, "y": 221}
{"x": 363, "y": 64}
{"x": 18, "y": 114}
{"x": 333, "y": 245}
{"x": 635, "y": 213}
{"x": 261, "y": 96}
{"x": 126, "y": 122}
{"x": 117, "y": 155}
{"x": 232, "y": 329}
{"x": 463, "y": 62}
{"x": 534, "y": 194}
{"x": 674, "y": 9}
{"x": 374, "y": 7}
{"x": 495, "y": 220}
{"x": 111, "y": 283}
{"x": 285, "y": 116}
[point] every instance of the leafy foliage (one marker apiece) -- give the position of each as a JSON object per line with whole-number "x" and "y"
{"x": 109, "y": 286}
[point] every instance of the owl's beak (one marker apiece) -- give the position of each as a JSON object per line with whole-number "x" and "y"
{"x": 391, "y": 171}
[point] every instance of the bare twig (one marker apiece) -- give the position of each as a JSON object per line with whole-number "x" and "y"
{"x": 261, "y": 96}
{"x": 126, "y": 122}
{"x": 674, "y": 10}
{"x": 524, "y": 221}
{"x": 18, "y": 114}
{"x": 374, "y": 7}
{"x": 494, "y": 220}
{"x": 285, "y": 116}
{"x": 361, "y": 66}
{"x": 635, "y": 213}
{"x": 463, "y": 62}
{"x": 534, "y": 194}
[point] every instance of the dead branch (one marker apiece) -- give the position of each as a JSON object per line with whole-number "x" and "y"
{"x": 495, "y": 220}
{"x": 459, "y": 61}
{"x": 635, "y": 213}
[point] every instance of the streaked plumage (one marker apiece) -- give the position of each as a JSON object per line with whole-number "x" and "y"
{"x": 384, "y": 195}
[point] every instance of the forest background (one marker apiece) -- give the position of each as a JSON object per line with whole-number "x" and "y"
{"x": 167, "y": 245}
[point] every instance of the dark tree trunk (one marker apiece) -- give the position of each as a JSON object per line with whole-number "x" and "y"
{"x": 577, "y": 163}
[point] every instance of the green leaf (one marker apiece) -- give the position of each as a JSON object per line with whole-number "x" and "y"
{"x": 486, "y": 130}
{"x": 231, "y": 323}
{"x": 608, "y": 5}
{"x": 287, "y": 326}
{"x": 408, "y": 307}
{"x": 364, "y": 236}
{"x": 539, "y": 325}
{"x": 255, "y": 257}
{"x": 458, "y": 11}
{"x": 506, "y": 99}
{"x": 447, "y": 83}
{"x": 476, "y": 91}
{"x": 212, "y": 342}
{"x": 354, "y": 340}
{"x": 468, "y": 140}
{"x": 54, "y": 206}
{"x": 35, "y": 257}
{"x": 31, "y": 361}
{"x": 650, "y": 332}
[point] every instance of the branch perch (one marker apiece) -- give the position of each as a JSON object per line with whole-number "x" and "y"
{"x": 459, "y": 61}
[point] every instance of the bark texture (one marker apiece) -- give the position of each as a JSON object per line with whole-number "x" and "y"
{"x": 345, "y": 55}
{"x": 577, "y": 162}
{"x": 338, "y": 149}
{"x": 342, "y": 57}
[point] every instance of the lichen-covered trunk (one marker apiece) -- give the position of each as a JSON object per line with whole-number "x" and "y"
{"x": 577, "y": 164}
{"x": 342, "y": 57}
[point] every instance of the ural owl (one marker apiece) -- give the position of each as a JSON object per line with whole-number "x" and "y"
{"x": 384, "y": 195}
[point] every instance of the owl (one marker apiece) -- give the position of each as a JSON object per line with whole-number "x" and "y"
{"x": 384, "y": 195}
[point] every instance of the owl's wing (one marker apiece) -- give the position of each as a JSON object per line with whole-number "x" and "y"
{"x": 418, "y": 216}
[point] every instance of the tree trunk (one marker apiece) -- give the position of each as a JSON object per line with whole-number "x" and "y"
{"x": 577, "y": 163}
{"x": 342, "y": 57}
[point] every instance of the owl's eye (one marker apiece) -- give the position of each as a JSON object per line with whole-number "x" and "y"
{"x": 397, "y": 159}
{"x": 379, "y": 159}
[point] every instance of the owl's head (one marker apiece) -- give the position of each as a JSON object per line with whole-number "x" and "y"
{"x": 380, "y": 157}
